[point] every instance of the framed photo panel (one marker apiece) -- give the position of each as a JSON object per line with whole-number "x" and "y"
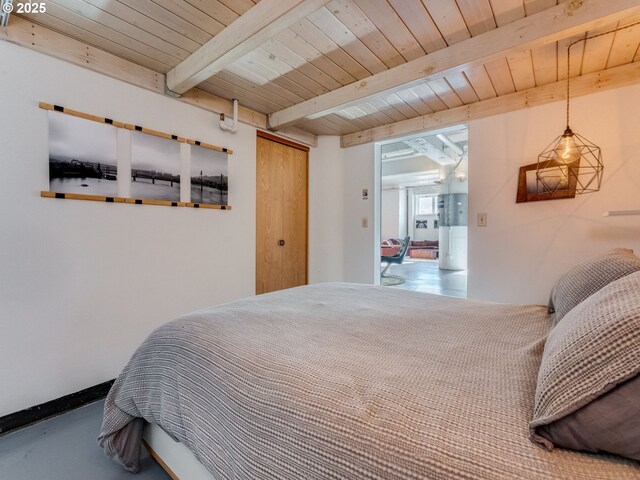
{"x": 155, "y": 167}
{"x": 209, "y": 176}
{"x": 82, "y": 156}
{"x": 83, "y": 163}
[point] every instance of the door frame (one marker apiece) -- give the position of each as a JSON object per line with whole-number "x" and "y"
{"x": 284, "y": 141}
{"x": 378, "y": 190}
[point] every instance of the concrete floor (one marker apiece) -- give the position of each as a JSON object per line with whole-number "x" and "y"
{"x": 66, "y": 448}
{"x": 426, "y": 276}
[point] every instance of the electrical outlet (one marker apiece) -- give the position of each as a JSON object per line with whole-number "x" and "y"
{"x": 482, "y": 219}
{"x": 365, "y": 222}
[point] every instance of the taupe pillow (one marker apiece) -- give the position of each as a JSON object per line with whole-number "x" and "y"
{"x": 611, "y": 423}
{"x": 588, "y": 384}
{"x": 588, "y": 277}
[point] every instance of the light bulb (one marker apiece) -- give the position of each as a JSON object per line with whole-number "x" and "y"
{"x": 567, "y": 151}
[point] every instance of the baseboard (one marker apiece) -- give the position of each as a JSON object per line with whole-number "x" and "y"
{"x": 20, "y": 419}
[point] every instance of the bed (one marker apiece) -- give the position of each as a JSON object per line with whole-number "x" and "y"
{"x": 346, "y": 381}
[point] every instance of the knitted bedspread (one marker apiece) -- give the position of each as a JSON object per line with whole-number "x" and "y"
{"x": 346, "y": 381}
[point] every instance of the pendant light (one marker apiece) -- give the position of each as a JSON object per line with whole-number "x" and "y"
{"x": 571, "y": 162}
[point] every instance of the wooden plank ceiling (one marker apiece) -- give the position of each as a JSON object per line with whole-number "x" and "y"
{"x": 344, "y": 42}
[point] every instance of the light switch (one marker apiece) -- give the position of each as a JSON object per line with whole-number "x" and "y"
{"x": 365, "y": 222}
{"x": 482, "y": 219}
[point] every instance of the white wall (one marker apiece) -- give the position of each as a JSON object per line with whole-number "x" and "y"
{"x": 429, "y": 233}
{"x": 83, "y": 283}
{"x": 326, "y": 211}
{"x": 361, "y": 245}
{"x": 403, "y": 213}
{"x": 525, "y": 247}
{"x": 340, "y": 248}
{"x": 394, "y": 213}
{"x": 390, "y": 213}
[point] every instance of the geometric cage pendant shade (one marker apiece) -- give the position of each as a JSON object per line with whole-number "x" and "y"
{"x": 570, "y": 162}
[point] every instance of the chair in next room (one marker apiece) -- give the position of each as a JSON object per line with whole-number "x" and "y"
{"x": 398, "y": 258}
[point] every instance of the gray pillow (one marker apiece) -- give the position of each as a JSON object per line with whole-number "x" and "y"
{"x": 588, "y": 390}
{"x": 611, "y": 423}
{"x": 588, "y": 277}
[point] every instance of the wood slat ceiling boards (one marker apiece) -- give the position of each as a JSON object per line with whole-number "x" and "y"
{"x": 346, "y": 45}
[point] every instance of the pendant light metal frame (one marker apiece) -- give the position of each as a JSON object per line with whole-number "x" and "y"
{"x": 584, "y": 175}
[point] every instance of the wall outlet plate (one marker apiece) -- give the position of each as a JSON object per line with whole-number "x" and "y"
{"x": 482, "y": 219}
{"x": 365, "y": 193}
{"x": 365, "y": 222}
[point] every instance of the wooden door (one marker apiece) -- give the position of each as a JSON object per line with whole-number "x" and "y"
{"x": 281, "y": 223}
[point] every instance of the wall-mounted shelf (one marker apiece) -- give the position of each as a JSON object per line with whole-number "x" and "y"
{"x": 80, "y": 196}
{"x": 130, "y": 201}
{"x": 207, "y": 205}
{"x": 620, "y": 213}
{"x": 128, "y": 126}
{"x": 147, "y": 201}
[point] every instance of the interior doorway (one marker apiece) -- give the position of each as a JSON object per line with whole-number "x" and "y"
{"x": 424, "y": 197}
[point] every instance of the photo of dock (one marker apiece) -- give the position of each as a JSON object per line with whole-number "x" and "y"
{"x": 209, "y": 176}
{"x": 82, "y": 156}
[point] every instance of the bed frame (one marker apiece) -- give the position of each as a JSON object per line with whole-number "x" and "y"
{"x": 176, "y": 459}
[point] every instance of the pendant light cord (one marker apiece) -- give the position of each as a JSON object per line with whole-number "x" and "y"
{"x": 584, "y": 40}
{"x": 569, "y": 76}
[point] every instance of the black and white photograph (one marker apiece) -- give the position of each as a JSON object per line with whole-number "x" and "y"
{"x": 155, "y": 167}
{"x": 209, "y": 176}
{"x": 82, "y": 156}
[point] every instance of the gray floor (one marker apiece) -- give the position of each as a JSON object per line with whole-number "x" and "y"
{"x": 65, "y": 448}
{"x": 426, "y": 276}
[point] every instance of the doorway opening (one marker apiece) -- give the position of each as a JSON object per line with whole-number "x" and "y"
{"x": 423, "y": 212}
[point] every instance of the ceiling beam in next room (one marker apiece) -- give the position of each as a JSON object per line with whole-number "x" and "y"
{"x": 260, "y": 23}
{"x": 543, "y": 28}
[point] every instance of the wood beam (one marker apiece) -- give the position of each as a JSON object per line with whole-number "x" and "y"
{"x": 213, "y": 103}
{"x": 265, "y": 20}
{"x": 299, "y": 135}
{"x": 584, "y": 85}
{"x": 44, "y": 40}
{"x": 542, "y": 28}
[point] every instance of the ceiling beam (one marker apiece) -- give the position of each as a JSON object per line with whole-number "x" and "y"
{"x": 586, "y": 84}
{"x": 44, "y": 40}
{"x": 548, "y": 26}
{"x": 265, "y": 20}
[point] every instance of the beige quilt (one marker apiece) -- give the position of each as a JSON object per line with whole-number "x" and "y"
{"x": 344, "y": 381}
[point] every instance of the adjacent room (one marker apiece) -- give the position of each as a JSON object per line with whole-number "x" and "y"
{"x": 423, "y": 212}
{"x": 320, "y": 239}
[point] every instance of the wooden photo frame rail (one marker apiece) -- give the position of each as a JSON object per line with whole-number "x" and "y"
{"x": 130, "y": 201}
{"x": 155, "y": 133}
{"x": 129, "y": 126}
{"x": 138, "y": 128}
{"x": 75, "y": 113}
